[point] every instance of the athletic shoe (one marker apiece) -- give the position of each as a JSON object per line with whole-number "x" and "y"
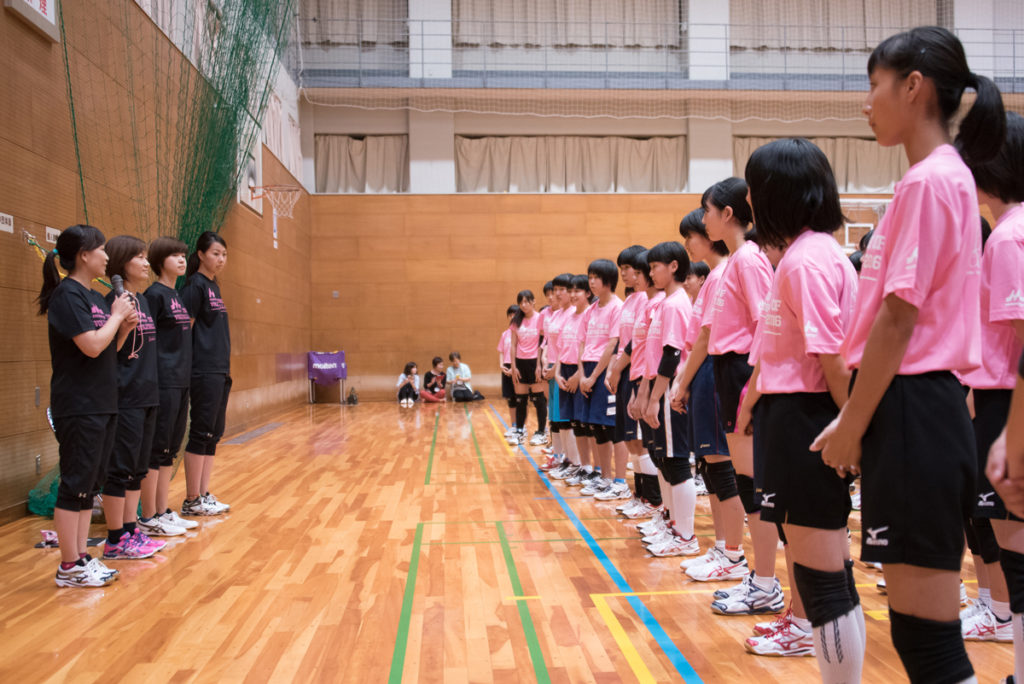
{"x": 81, "y": 575}
{"x": 698, "y": 560}
{"x": 158, "y": 527}
{"x": 548, "y": 450}
{"x": 676, "y": 546}
{"x": 881, "y": 585}
{"x": 659, "y": 537}
{"x": 595, "y": 486}
{"x": 579, "y": 478}
{"x": 789, "y": 640}
{"x": 855, "y": 500}
{"x": 974, "y": 607}
{"x": 172, "y": 518}
{"x": 508, "y": 433}
{"x": 653, "y": 526}
{"x": 626, "y": 505}
{"x": 618, "y": 490}
{"x": 719, "y": 569}
{"x": 562, "y": 471}
{"x": 751, "y": 600}
{"x": 985, "y": 626}
{"x": 217, "y": 506}
{"x": 963, "y": 594}
{"x": 142, "y": 540}
{"x": 642, "y": 510}
{"x": 196, "y": 507}
{"x": 552, "y": 463}
{"x": 126, "y": 548}
{"x": 538, "y": 439}
{"x": 698, "y": 484}
{"x": 772, "y": 626}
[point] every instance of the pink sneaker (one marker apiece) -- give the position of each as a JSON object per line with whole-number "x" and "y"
{"x": 126, "y": 549}
{"x": 144, "y": 541}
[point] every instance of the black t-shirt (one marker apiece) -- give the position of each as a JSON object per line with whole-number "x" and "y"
{"x": 136, "y": 361}
{"x": 433, "y": 381}
{"x": 80, "y": 385}
{"x": 173, "y": 335}
{"x": 211, "y": 339}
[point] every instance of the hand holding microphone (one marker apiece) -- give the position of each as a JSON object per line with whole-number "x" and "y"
{"x": 122, "y": 305}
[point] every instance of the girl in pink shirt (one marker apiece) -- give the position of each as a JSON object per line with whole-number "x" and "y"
{"x": 568, "y": 375}
{"x": 526, "y": 370}
{"x": 799, "y": 383}
{"x": 508, "y": 389}
{"x": 1000, "y": 185}
{"x": 734, "y": 309}
{"x": 906, "y": 427}
{"x": 564, "y": 453}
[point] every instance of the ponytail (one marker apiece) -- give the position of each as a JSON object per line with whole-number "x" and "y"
{"x": 51, "y": 279}
{"x": 71, "y": 241}
{"x": 983, "y": 130}
{"x": 203, "y": 243}
{"x": 523, "y": 295}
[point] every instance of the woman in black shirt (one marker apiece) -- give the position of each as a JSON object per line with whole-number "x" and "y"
{"x": 433, "y": 382}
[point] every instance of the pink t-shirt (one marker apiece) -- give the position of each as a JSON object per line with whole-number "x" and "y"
{"x": 1002, "y": 301}
{"x": 600, "y": 324}
{"x": 505, "y": 346}
{"x": 655, "y": 334}
{"x": 927, "y": 251}
{"x": 627, "y": 317}
{"x": 735, "y": 308}
{"x": 701, "y": 313}
{"x": 638, "y": 358}
{"x": 676, "y": 313}
{"x": 551, "y": 336}
{"x": 529, "y": 337}
{"x": 807, "y": 313}
{"x": 569, "y": 340}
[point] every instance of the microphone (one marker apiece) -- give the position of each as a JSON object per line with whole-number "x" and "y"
{"x": 117, "y": 285}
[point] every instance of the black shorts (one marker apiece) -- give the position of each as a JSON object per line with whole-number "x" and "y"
{"x": 528, "y": 372}
{"x": 129, "y": 459}
{"x": 680, "y": 433}
{"x": 508, "y": 385}
{"x": 991, "y": 410}
{"x": 657, "y": 440}
{"x": 171, "y": 418}
{"x": 797, "y": 487}
{"x": 918, "y": 465}
{"x": 703, "y": 415}
{"x": 85, "y": 445}
{"x": 626, "y": 429}
{"x": 732, "y": 372}
{"x": 566, "y": 399}
{"x": 600, "y": 403}
{"x": 209, "y": 404}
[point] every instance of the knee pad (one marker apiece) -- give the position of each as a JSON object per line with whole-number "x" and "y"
{"x": 721, "y": 478}
{"x": 602, "y": 433}
{"x": 851, "y": 582}
{"x": 652, "y": 490}
{"x": 1013, "y": 568}
{"x": 522, "y": 399}
{"x": 826, "y": 594}
{"x": 581, "y": 429}
{"x": 745, "y": 486}
{"x": 538, "y": 398}
{"x": 981, "y": 540}
{"x": 931, "y": 651}
{"x": 676, "y": 470}
{"x": 511, "y": 402}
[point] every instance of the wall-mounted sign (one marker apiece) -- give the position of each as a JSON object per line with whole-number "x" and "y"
{"x": 39, "y": 14}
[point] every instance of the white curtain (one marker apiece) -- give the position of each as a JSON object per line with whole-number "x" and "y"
{"x": 859, "y": 165}
{"x": 549, "y": 23}
{"x": 353, "y": 22}
{"x": 570, "y": 164}
{"x": 820, "y": 24}
{"x": 374, "y": 164}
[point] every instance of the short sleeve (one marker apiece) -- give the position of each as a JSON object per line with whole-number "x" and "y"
{"x": 812, "y": 297}
{"x": 674, "y": 326}
{"x": 70, "y": 314}
{"x": 1006, "y": 288}
{"x": 192, "y": 299}
{"x": 911, "y": 261}
{"x": 755, "y": 282}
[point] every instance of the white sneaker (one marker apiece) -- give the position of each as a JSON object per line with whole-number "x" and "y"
{"x": 594, "y": 486}
{"x": 158, "y": 527}
{"x": 699, "y": 486}
{"x": 641, "y": 510}
{"x": 751, "y": 601}
{"x": 580, "y": 478}
{"x": 173, "y": 518}
{"x": 659, "y": 537}
{"x": 963, "y": 594}
{"x": 985, "y": 626}
{"x": 788, "y": 640}
{"x": 563, "y": 471}
{"x": 676, "y": 546}
{"x": 772, "y": 626}
{"x": 654, "y": 525}
{"x": 974, "y": 607}
{"x": 626, "y": 505}
{"x": 618, "y": 490}
{"x": 699, "y": 560}
{"x": 719, "y": 569}
{"x": 538, "y": 439}
{"x": 81, "y": 575}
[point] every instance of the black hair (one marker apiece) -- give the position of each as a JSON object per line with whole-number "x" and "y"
{"x": 856, "y": 259}
{"x": 731, "y": 192}
{"x": 1003, "y": 175}
{"x": 666, "y": 253}
{"x": 512, "y": 310}
{"x": 699, "y": 269}
{"x": 524, "y": 295}
{"x": 436, "y": 360}
{"x": 549, "y": 286}
{"x": 626, "y": 256}
{"x": 865, "y": 240}
{"x": 606, "y": 271}
{"x": 71, "y": 241}
{"x": 693, "y": 224}
{"x": 792, "y": 188}
{"x": 563, "y": 280}
{"x": 120, "y": 250}
{"x": 986, "y": 232}
{"x": 408, "y": 367}
{"x": 203, "y": 244}
{"x": 455, "y": 355}
{"x": 641, "y": 264}
{"x": 939, "y": 55}
{"x": 582, "y": 282}
{"x": 160, "y": 249}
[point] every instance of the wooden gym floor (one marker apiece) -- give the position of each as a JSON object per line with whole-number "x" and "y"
{"x": 376, "y": 543}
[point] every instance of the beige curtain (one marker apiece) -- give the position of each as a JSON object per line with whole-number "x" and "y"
{"x": 570, "y": 164}
{"x": 859, "y": 165}
{"x": 819, "y": 24}
{"x": 353, "y": 22}
{"x": 562, "y": 23}
{"x": 374, "y": 164}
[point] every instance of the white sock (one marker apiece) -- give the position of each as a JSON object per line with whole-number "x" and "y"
{"x": 1001, "y": 609}
{"x": 1018, "y": 647}
{"x": 985, "y": 595}
{"x": 720, "y": 544}
{"x": 684, "y": 504}
{"x": 588, "y": 469}
{"x": 646, "y": 466}
{"x": 666, "y": 493}
{"x": 839, "y": 649}
{"x": 571, "y": 451}
{"x": 556, "y": 443}
{"x": 763, "y": 583}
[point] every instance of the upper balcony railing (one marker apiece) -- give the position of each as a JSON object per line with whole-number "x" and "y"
{"x": 437, "y": 54}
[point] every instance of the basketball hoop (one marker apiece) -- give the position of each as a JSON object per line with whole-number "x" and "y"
{"x": 282, "y": 197}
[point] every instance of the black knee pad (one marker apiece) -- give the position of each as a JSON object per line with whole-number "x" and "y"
{"x": 652, "y": 489}
{"x": 638, "y": 483}
{"x": 1013, "y": 568}
{"x": 602, "y": 433}
{"x": 745, "y": 486}
{"x": 581, "y": 429}
{"x": 511, "y": 402}
{"x": 721, "y": 479}
{"x": 826, "y": 595}
{"x": 537, "y": 396}
{"x": 931, "y": 651}
{"x": 676, "y": 470}
{"x": 981, "y": 539}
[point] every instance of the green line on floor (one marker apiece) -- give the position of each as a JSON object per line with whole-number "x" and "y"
{"x": 433, "y": 445}
{"x": 402, "y": 638}
{"x": 540, "y": 670}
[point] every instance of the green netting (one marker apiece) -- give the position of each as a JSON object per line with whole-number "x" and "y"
{"x": 166, "y": 99}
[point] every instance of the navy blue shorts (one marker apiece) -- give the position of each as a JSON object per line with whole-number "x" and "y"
{"x": 704, "y": 424}
{"x": 680, "y": 436}
{"x": 626, "y": 429}
{"x": 567, "y": 400}
{"x": 600, "y": 405}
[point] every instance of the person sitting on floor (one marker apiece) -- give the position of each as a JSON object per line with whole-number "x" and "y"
{"x": 458, "y": 376}
{"x": 408, "y": 385}
{"x": 434, "y": 381}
